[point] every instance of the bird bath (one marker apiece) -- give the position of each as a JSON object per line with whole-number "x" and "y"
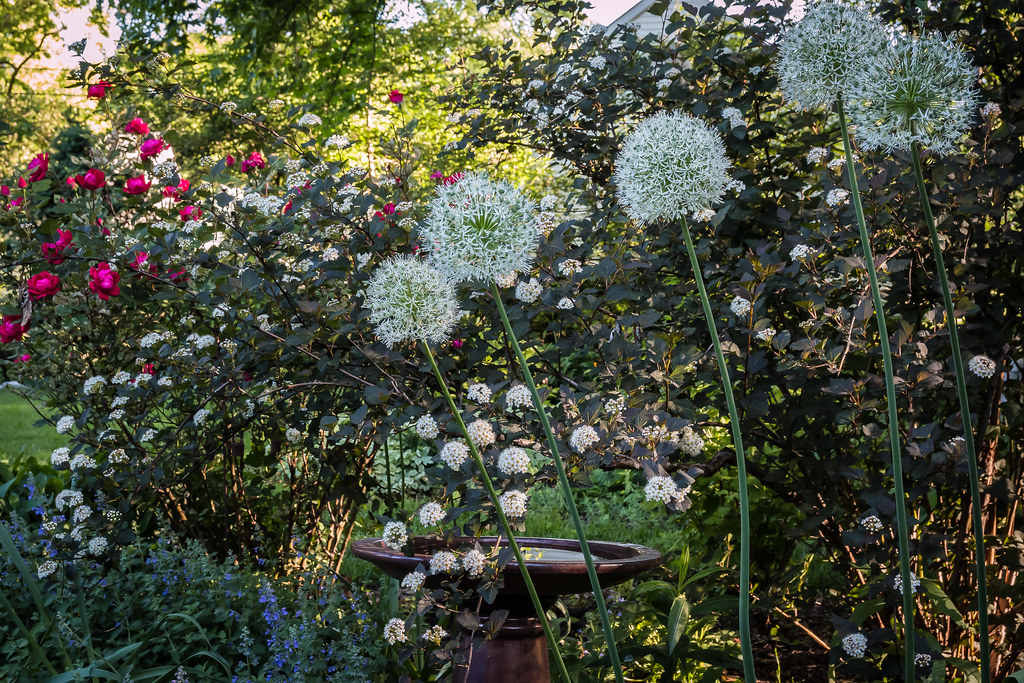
{"x": 518, "y": 652}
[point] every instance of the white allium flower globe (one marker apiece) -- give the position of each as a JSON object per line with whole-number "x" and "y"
{"x": 480, "y": 229}
{"x": 822, "y": 55}
{"x": 410, "y": 301}
{"x": 670, "y": 166}
{"x": 919, "y": 90}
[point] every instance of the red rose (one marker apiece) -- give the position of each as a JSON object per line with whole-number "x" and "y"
{"x": 191, "y": 213}
{"x": 93, "y": 179}
{"x": 137, "y": 185}
{"x": 148, "y": 369}
{"x": 37, "y": 167}
{"x": 138, "y": 126}
{"x": 99, "y": 90}
{"x": 255, "y": 160}
{"x": 11, "y": 329}
{"x": 54, "y": 251}
{"x": 140, "y": 261}
{"x": 5, "y": 191}
{"x": 151, "y": 147}
{"x": 43, "y": 285}
{"x": 104, "y": 281}
{"x": 396, "y": 97}
{"x": 229, "y": 161}
{"x": 176, "y": 192}
{"x": 22, "y": 183}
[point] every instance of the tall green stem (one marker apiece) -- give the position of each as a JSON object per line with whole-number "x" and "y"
{"x": 965, "y": 416}
{"x": 563, "y": 482}
{"x": 502, "y": 519}
{"x": 890, "y": 391}
{"x": 741, "y": 463}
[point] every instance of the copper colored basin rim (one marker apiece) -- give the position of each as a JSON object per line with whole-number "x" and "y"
{"x": 614, "y": 562}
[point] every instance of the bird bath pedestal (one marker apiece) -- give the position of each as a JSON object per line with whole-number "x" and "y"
{"x": 518, "y": 652}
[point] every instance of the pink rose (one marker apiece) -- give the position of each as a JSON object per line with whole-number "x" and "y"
{"x": 43, "y": 285}
{"x": 137, "y": 185}
{"x": 104, "y": 281}
{"x": 37, "y": 167}
{"x": 191, "y": 213}
{"x": 53, "y": 252}
{"x": 93, "y": 179}
{"x": 22, "y": 183}
{"x": 457, "y": 343}
{"x": 255, "y": 160}
{"x": 396, "y": 97}
{"x": 24, "y": 358}
{"x": 99, "y": 90}
{"x": 229, "y": 161}
{"x": 5, "y": 191}
{"x": 176, "y": 192}
{"x": 151, "y": 147}
{"x": 11, "y": 329}
{"x": 70, "y": 182}
{"x": 137, "y": 126}
{"x": 17, "y": 202}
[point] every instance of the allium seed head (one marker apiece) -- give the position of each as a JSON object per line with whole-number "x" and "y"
{"x": 921, "y": 89}
{"x": 670, "y": 166}
{"x": 410, "y": 301}
{"x": 822, "y": 55}
{"x": 480, "y": 229}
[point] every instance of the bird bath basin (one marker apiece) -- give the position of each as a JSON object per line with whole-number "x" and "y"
{"x": 518, "y": 652}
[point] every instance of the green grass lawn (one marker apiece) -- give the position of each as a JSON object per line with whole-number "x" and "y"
{"x": 18, "y": 438}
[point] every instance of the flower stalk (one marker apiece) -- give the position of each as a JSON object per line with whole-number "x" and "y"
{"x": 502, "y": 519}
{"x": 563, "y": 482}
{"x": 903, "y": 534}
{"x": 741, "y": 462}
{"x": 965, "y": 417}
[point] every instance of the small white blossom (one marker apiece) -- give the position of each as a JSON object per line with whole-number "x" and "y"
{"x": 897, "y": 582}
{"x": 413, "y": 581}
{"x": 394, "y": 631}
{"x": 855, "y": 644}
{"x": 614, "y": 406}
{"x": 65, "y": 424}
{"x": 513, "y": 504}
{"x": 689, "y": 442}
{"x": 872, "y": 523}
{"x": 991, "y": 110}
{"x": 118, "y": 456}
{"x": 435, "y": 634}
{"x": 766, "y": 334}
{"x": 981, "y": 365}
{"x": 663, "y": 489}
{"x": 836, "y": 164}
{"x": 923, "y": 660}
{"x": 276, "y": 105}
{"x": 81, "y": 513}
{"x": 94, "y": 384}
{"x": 507, "y": 280}
{"x": 309, "y": 119}
{"x": 598, "y": 63}
{"x": 47, "y": 568}
{"x": 117, "y": 414}
{"x": 740, "y": 306}
{"x": 527, "y": 292}
{"x": 147, "y": 436}
{"x": 395, "y": 535}
{"x": 444, "y": 562}
{"x": 816, "y": 155}
{"x": 68, "y": 498}
{"x": 479, "y": 393}
{"x": 481, "y": 433}
{"x": 454, "y": 453}
{"x": 98, "y": 545}
{"x": 82, "y": 462}
{"x": 800, "y": 252}
{"x": 60, "y": 457}
{"x": 293, "y": 435}
{"x": 704, "y": 215}
{"x": 570, "y": 266}
{"x": 583, "y": 437}
{"x": 473, "y": 562}
{"x": 200, "y": 416}
{"x": 513, "y": 460}
{"x": 565, "y": 303}
{"x": 836, "y": 196}
{"x": 165, "y": 381}
{"x": 518, "y": 396}
{"x": 734, "y": 116}
{"x": 228, "y": 106}
{"x": 330, "y": 254}
{"x": 431, "y": 514}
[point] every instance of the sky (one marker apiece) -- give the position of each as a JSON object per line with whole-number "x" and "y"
{"x": 604, "y": 11}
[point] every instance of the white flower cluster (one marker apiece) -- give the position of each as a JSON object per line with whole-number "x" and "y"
{"x": 480, "y": 433}
{"x": 276, "y": 105}
{"x": 338, "y": 141}
{"x": 121, "y": 377}
{"x": 60, "y": 457}
{"x": 527, "y": 292}
{"x": 266, "y": 206}
{"x": 98, "y": 546}
{"x": 565, "y": 303}
{"x": 734, "y": 116}
{"x": 426, "y": 427}
{"x": 507, "y": 280}
{"x": 473, "y": 562}
{"x": 518, "y": 396}
{"x": 395, "y": 535}
{"x": 330, "y": 254}
{"x": 704, "y": 215}
{"x": 614, "y": 406}
{"x": 991, "y": 110}
{"x": 479, "y": 393}
{"x": 431, "y": 514}
{"x": 836, "y": 196}
{"x": 513, "y": 504}
{"x": 68, "y": 498}
{"x": 480, "y": 229}
{"x": 435, "y": 634}
{"x": 228, "y": 106}
{"x": 413, "y": 581}
{"x": 454, "y": 453}
{"x": 47, "y": 568}
{"x": 293, "y": 435}
{"x": 837, "y": 163}
{"x": 872, "y": 523}
{"x": 569, "y": 267}
{"x": 513, "y": 460}
{"x": 598, "y": 63}
{"x": 200, "y": 416}
{"x": 920, "y": 90}
{"x": 94, "y": 384}
{"x": 65, "y": 424}
{"x": 583, "y": 437}
{"x": 689, "y": 442}
{"x": 153, "y": 338}
{"x": 309, "y": 119}
{"x": 663, "y": 489}
{"x": 118, "y": 456}
{"x": 823, "y": 53}
{"x": 671, "y": 165}
{"x": 81, "y": 513}
{"x": 923, "y": 660}
{"x": 816, "y": 155}
{"x": 897, "y": 582}
{"x": 800, "y": 252}
{"x": 394, "y": 631}
{"x": 740, "y": 306}
{"x": 444, "y": 562}
{"x": 981, "y": 365}
{"x": 82, "y": 462}
{"x": 855, "y": 644}
{"x": 766, "y": 334}
{"x": 411, "y": 301}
